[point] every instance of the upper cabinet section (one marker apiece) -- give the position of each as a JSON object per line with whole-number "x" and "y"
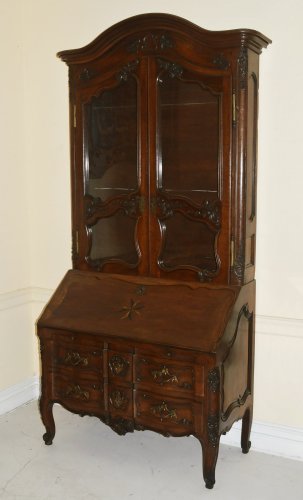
{"x": 163, "y": 149}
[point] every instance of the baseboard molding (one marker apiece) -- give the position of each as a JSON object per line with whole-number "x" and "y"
{"x": 278, "y": 326}
{"x": 24, "y": 296}
{"x": 19, "y": 394}
{"x": 269, "y": 438}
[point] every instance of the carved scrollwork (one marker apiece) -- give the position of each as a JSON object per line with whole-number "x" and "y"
{"x": 240, "y": 401}
{"x": 206, "y": 275}
{"x": 208, "y": 210}
{"x": 151, "y": 43}
{"x": 244, "y": 311}
{"x": 119, "y": 425}
{"x": 173, "y": 69}
{"x": 118, "y": 365}
{"x": 213, "y": 429}
{"x": 133, "y": 206}
{"x": 129, "y": 68}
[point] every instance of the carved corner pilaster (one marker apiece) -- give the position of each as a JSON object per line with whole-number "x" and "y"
{"x": 214, "y": 379}
{"x": 213, "y": 429}
{"x": 243, "y": 67}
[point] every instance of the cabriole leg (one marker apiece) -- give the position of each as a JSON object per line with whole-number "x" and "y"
{"x": 246, "y": 427}
{"x": 210, "y": 456}
{"x": 46, "y": 411}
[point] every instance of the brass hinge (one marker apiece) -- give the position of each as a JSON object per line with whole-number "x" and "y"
{"x": 234, "y": 111}
{"x": 232, "y": 253}
{"x": 75, "y": 116}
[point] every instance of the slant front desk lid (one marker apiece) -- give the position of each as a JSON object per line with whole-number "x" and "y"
{"x": 183, "y": 314}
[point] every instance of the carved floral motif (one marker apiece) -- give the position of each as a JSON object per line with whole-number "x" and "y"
{"x": 150, "y": 43}
{"x": 173, "y": 69}
{"x": 124, "y": 73}
{"x": 221, "y": 62}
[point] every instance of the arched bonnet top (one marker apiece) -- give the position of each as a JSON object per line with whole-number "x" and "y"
{"x": 165, "y": 23}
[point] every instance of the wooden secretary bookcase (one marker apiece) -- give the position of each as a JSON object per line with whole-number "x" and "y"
{"x": 153, "y": 328}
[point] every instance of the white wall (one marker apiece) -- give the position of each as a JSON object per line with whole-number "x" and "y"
{"x": 35, "y": 249}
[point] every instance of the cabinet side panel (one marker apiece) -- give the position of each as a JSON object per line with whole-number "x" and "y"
{"x": 251, "y": 166}
{"x": 245, "y": 167}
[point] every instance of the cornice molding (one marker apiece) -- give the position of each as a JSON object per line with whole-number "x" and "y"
{"x": 155, "y": 25}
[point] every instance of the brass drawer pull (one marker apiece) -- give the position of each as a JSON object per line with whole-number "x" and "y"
{"x": 75, "y": 391}
{"x": 163, "y": 376}
{"x": 163, "y": 411}
{"x": 74, "y": 359}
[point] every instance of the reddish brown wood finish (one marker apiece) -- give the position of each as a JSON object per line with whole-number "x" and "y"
{"x": 154, "y": 326}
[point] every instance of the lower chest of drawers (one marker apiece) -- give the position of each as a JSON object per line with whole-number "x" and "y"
{"x": 154, "y": 387}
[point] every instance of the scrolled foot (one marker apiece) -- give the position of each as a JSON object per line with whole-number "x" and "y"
{"x": 48, "y": 438}
{"x": 245, "y": 434}
{"x": 245, "y": 449}
{"x": 209, "y": 483}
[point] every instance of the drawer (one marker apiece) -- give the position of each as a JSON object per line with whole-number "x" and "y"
{"x": 80, "y": 394}
{"x": 120, "y": 366}
{"x": 79, "y": 357}
{"x": 169, "y": 416}
{"x": 120, "y": 401}
{"x": 165, "y": 375}
{"x": 70, "y": 337}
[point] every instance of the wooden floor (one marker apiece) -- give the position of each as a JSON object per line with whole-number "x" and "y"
{"x": 88, "y": 461}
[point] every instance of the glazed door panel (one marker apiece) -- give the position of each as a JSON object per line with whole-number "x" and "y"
{"x": 112, "y": 163}
{"x": 191, "y": 167}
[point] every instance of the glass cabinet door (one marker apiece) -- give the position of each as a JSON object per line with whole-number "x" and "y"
{"x": 187, "y": 199}
{"x": 112, "y": 177}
